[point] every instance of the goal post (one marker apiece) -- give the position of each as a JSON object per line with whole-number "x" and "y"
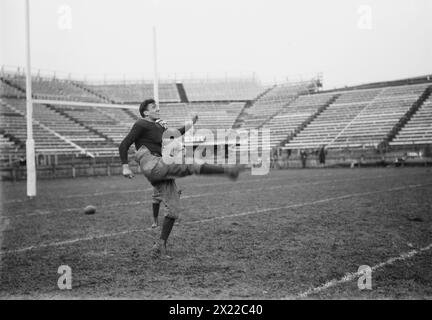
{"x": 30, "y": 102}
{"x": 30, "y": 143}
{"x": 155, "y": 68}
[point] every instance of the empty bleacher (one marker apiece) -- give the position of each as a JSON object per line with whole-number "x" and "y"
{"x": 418, "y": 130}
{"x": 7, "y": 91}
{"x": 212, "y": 115}
{"x": 66, "y": 127}
{"x": 294, "y": 115}
{"x": 52, "y": 88}
{"x": 136, "y": 92}
{"x": 359, "y": 118}
{"x": 103, "y": 132}
{"x": 328, "y": 125}
{"x": 120, "y": 115}
{"x": 215, "y": 115}
{"x": 9, "y": 151}
{"x": 272, "y": 103}
{"x": 378, "y": 118}
{"x": 175, "y": 114}
{"x": 222, "y": 90}
{"x": 349, "y": 118}
{"x": 14, "y": 124}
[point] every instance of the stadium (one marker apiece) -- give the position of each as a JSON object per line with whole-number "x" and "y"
{"x": 374, "y": 124}
{"x": 346, "y": 188}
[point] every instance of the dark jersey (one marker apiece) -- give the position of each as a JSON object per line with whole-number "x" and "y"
{"x": 144, "y": 133}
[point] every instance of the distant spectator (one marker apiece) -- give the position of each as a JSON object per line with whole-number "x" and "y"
{"x": 404, "y": 159}
{"x": 303, "y": 157}
{"x": 273, "y": 158}
{"x": 400, "y": 161}
{"x": 322, "y": 155}
{"x": 20, "y": 162}
{"x": 382, "y": 161}
{"x": 41, "y": 160}
{"x": 362, "y": 160}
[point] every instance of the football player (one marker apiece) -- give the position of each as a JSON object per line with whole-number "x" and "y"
{"x": 147, "y": 134}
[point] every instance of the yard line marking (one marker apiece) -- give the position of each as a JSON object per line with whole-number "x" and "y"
{"x": 151, "y": 188}
{"x": 359, "y": 194}
{"x": 136, "y": 203}
{"x": 350, "y": 276}
{"x": 47, "y": 212}
{"x": 72, "y": 241}
{"x": 108, "y": 235}
{"x": 190, "y": 186}
{"x": 143, "y": 190}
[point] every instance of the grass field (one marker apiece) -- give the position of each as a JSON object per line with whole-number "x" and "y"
{"x": 296, "y": 234}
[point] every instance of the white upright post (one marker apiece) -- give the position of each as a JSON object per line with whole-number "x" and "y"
{"x": 30, "y": 144}
{"x": 155, "y": 68}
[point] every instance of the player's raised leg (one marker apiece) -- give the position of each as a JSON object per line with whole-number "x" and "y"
{"x": 155, "y": 169}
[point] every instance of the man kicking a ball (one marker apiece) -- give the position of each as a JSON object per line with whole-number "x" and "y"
{"x": 147, "y": 135}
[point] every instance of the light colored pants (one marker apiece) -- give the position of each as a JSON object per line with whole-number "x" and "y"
{"x": 156, "y": 196}
{"x": 162, "y": 177}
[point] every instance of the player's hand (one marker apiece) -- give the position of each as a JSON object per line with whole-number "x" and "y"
{"x": 194, "y": 119}
{"x": 127, "y": 172}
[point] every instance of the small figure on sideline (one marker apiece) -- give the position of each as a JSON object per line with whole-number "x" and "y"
{"x": 303, "y": 157}
{"x": 322, "y": 155}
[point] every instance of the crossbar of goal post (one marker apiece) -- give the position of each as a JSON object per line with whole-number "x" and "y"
{"x": 84, "y": 103}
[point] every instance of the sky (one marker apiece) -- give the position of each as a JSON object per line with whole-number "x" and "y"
{"x": 348, "y": 41}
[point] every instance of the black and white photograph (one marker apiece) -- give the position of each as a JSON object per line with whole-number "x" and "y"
{"x": 215, "y": 155}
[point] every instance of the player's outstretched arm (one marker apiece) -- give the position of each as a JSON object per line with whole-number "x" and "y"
{"x": 175, "y": 132}
{"x": 189, "y": 124}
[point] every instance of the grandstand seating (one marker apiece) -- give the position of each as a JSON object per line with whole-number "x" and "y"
{"x": 418, "y": 130}
{"x": 222, "y": 90}
{"x": 9, "y": 151}
{"x": 14, "y": 124}
{"x": 359, "y": 118}
{"x": 373, "y": 125}
{"x": 136, "y": 92}
{"x": 67, "y": 128}
{"x": 104, "y": 134}
{"x": 44, "y": 88}
{"x": 175, "y": 114}
{"x": 116, "y": 129}
{"x": 272, "y": 103}
{"x": 340, "y": 119}
{"x": 326, "y": 127}
{"x": 215, "y": 115}
{"x": 294, "y": 115}
{"x": 7, "y": 91}
{"x": 212, "y": 115}
{"x": 119, "y": 115}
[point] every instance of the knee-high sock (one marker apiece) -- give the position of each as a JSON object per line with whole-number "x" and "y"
{"x": 167, "y": 226}
{"x": 211, "y": 169}
{"x": 156, "y": 207}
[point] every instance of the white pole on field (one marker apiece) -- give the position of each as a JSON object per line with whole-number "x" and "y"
{"x": 155, "y": 62}
{"x": 155, "y": 68}
{"x": 30, "y": 144}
